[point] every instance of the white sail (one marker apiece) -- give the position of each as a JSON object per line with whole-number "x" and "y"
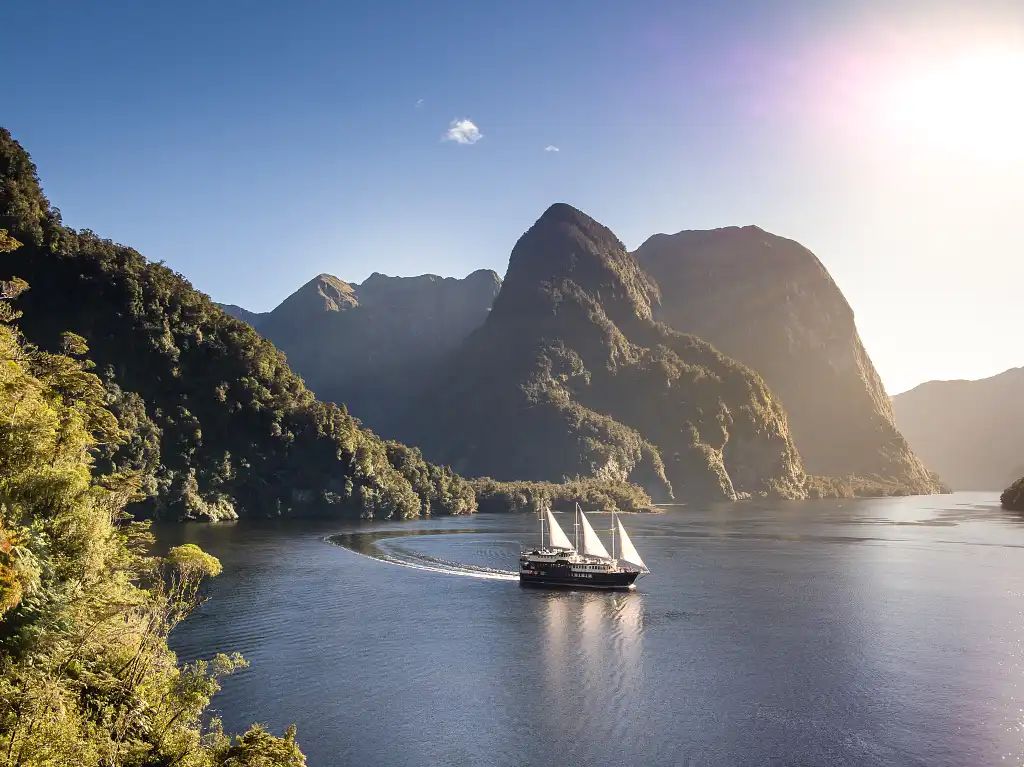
{"x": 556, "y": 538}
{"x": 627, "y": 551}
{"x": 591, "y": 543}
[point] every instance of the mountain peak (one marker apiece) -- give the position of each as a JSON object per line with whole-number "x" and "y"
{"x": 569, "y": 219}
{"x": 324, "y": 293}
{"x": 564, "y": 212}
{"x": 566, "y": 251}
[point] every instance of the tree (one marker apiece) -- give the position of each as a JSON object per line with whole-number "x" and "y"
{"x": 86, "y": 676}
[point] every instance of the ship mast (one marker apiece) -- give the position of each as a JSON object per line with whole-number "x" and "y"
{"x": 540, "y": 515}
{"x": 576, "y": 528}
{"x": 613, "y": 536}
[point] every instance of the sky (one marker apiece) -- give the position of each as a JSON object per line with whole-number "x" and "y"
{"x": 253, "y": 145}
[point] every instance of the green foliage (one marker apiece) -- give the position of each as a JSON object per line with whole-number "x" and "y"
{"x": 591, "y": 493}
{"x": 190, "y": 561}
{"x": 439, "y": 488}
{"x": 218, "y": 423}
{"x": 258, "y": 748}
{"x": 86, "y": 676}
{"x": 1012, "y": 497}
{"x": 7, "y": 243}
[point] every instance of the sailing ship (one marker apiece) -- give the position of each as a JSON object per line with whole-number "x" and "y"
{"x": 561, "y": 562}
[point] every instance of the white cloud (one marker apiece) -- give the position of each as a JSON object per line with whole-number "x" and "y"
{"x": 463, "y": 131}
{"x": 552, "y": 148}
{"x": 420, "y": 102}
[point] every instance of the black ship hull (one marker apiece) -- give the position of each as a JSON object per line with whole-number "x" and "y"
{"x": 557, "y": 577}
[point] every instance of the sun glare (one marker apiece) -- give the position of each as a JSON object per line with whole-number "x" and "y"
{"x": 971, "y": 105}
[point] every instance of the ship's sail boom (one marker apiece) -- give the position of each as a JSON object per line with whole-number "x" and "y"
{"x": 627, "y": 551}
{"x": 556, "y": 538}
{"x": 591, "y": 543}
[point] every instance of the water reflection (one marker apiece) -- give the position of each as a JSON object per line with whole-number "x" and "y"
{"x": 592, "y": 653}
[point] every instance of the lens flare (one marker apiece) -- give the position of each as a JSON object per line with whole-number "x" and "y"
{"x": 972, "y": 105}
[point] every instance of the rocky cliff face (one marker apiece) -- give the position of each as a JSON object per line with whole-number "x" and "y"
{"x": 970, "y": 432}
{"x": 372, "y": 345}
{"x": 569, "y": 375}
{"x": 769, "y": 303}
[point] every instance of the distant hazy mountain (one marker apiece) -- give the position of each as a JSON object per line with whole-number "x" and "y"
{"x": 971, "y": 432}
{"x": 569, "y": 375}
{"x": 769, "y": 303}
{"x": 373, "y": 345}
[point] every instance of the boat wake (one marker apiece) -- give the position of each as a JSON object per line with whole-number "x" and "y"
{"x": 385, "y": 547}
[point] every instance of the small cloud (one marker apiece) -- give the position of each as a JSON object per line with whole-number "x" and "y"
{"x": 551, "y": 148}
{"x": 462, "y": 132}
{"x": 420, "y": 102}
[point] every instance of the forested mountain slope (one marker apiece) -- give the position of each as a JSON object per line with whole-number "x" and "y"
{"x": 218, "y": 422}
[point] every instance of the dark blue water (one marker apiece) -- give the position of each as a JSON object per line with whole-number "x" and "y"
{"x": 885, "y": 632}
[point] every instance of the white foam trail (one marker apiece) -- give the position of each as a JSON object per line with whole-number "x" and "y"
{"x": 433, "y": 565}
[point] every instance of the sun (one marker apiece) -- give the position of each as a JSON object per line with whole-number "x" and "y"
{"x": 971, "y": 104}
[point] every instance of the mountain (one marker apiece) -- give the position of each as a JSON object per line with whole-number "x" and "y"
{"x": 372, "y": 345}
{"x": 252, "y": 318}
{"x": 569, "y": 375}
{"x": 321, "y": 296}
{"x": 769, "y": 303}
{"x": 971, "y": 432}
{"x": 215, "y": 422}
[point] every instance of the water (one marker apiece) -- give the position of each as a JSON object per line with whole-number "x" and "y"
{"x": 886, "y": 632}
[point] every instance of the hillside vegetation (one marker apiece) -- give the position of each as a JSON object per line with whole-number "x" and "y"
{"x": 591, "y": 493}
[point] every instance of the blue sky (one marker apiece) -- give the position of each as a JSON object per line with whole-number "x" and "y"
{"x": 254, "y": 145}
